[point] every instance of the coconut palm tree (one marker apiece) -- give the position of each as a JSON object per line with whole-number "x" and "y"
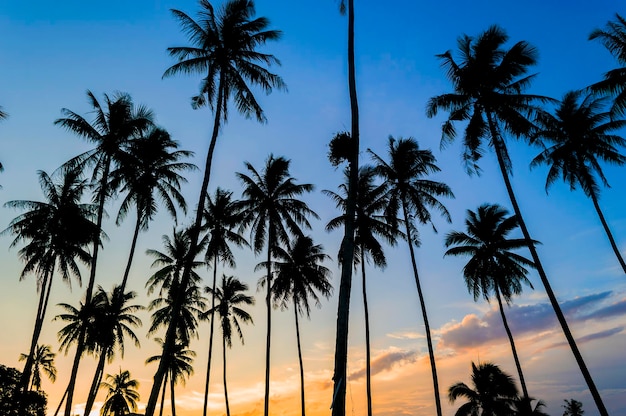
{"x": 221, "y": 217}
{"x": 42, "y": 361}
{"x": 493, "y": 268}
{"x": 370, "y": 223}
{"x": 573, "y": 408}
{"x": 613, "y": 37}
{"x": 411, "y": 192}
{"x": 229, "y": 309}
{"x": 224, "y": 50}
{"x": 148, "y": 172}
{"x": 113, "y": 126}
{"x": 300, "y": 276}
{"x": 492, "y": 392}
{"x": 524, "y": 407}
{"x": 575, "y": 139}
{"x": 57, "y": 232}
{"x": 3, "y": 114}
{"x": 122, "y": 395}
{"x": 488, "y": 82}
{"x": 272, "y": 211}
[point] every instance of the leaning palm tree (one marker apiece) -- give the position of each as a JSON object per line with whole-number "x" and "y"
{"x": 300, "y": 276}
{"x": 221, "y": 217}
{"x": 43, "y": 360}
{"x": 272, "y": 210}
{"x": 488, "y": 82}
{"x": 122, "y": 394}
{"x": 224, "y": 50}
{"x": 231, "y": 299}
{"x": 412, "y": 193}
{"x": 493, "y": 268}
{"x": 575, "y": 139}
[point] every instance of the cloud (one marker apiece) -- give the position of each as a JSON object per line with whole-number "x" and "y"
{"x": 590, "y": 337}
{"x": 616, "y": 309}
{"x": 386, "y": 361}
{"x": 405, "y": 335}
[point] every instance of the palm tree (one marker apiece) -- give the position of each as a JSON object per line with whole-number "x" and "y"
{"x": 231, "y": 298}
{"x": 369, "y": 224}
{"x": 579, "y": 135}
{"x": 224, "y": 49}
{"x": 3, "y": 114}
{"x": 149, "y": 172}
{"x": 410, "y": 192}
{"x": 524, "y": 407}
{"x": 492, "y": 267}
{"x": 57, "y": 232}
{"x": 300, "y": 276}
{"x": 613, "y": 37}
{"x": 221, "y": 216}
{"x": 492, "y": 392}
{"x": 122, "y": 395}
{"x": 488, "y": 82}
{"x": 112, "y": 128}
{"x": 43, "y": 360}
{"x": 573, "y": 408}
{"x": 271, "y": 209}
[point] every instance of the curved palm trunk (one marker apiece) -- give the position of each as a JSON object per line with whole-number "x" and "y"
{"x": 515, "y": 357}
{"x": 208, "y": 368}
{"x": 172, "y": 385}
{"x": 131, "y": 255}
{"x": 499, "y": 147}
{"x": 429, "y": 341}
{"x": 295, "y": 309}
{"x": 163, "y": 396}
{"x": 170, "y": 336}
{"x": 95, "y": 384}
{"x": 225, "y": 388}
{"x": 347, "y": 245}
{"x": 368, "y": 364}
{"x": 268, "y": 302}
{"x": 620, "y": 259}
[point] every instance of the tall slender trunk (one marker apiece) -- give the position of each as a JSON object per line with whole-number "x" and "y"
{"x": 368, "y": 364}
{"x": 515, "y": 356}
{"x": 429, "y": 341}
{"x": 347, "y": 246}
{"x": 170, "y": 336}
{"x": 500, "y": 147}
{"x": 607, "y": 230}
{"x": 56, "y": 412}
{"x": 95, "y": 384}
{"x": 225, "y": 388}
{"x": 268, "y": 303}
{"x": 173, "y": 400}
{"x": 131, "y": 255}
{"x": 295, "y": 309}
{"x": 163, "y": 395}
{"x": 208, "y": 367}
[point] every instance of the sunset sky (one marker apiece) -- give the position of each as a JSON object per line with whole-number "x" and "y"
{"x": 52, "y": 52}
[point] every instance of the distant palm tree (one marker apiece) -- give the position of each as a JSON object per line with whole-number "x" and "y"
{"x": 492, "y": 267}
{"x": 575, "y": 139}
{"x": 231, "y": 298}
{"x": 122, "y": 395}
{"x": 573, "y": 408}
{"x": 411, "y": 192}
{"x": 300, "y": 276}
{"x": 3, "y": 114}
{"x": 221, "y": 217}
{"x": 43, "y": 360}
{"x": 488, "y": 83}
{"x": 524, "y": 407}
{"x": 613, "y": 37}
{"x": 492, "y": 392}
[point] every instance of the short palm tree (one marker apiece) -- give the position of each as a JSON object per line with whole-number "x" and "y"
{"x": 492, "y": 392}
{"x": 575, "y": 139}
{"x": 43, "y": 360}
{"x": 230, "y": 299}
{"x": 573, "y": 408}
{"x": 493, "y": 268}
{"x": 412, "y": 193}
{"x": 122, "y": 394}
{"x": 272, "y": 210}
{"x": 488, "y": 83}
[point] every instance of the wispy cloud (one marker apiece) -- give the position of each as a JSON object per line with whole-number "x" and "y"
{"x": 386, "y": 361}
{"x": 590, "y": 337}
{"x": 405, "y": 335}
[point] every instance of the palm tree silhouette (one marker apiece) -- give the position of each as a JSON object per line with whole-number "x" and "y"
{"x": 43, "y": 360}
{"x": 221, "y": 217}
{"x": 122, "y": 395}
{"x": 573, "y": 408}
{"x": 578, "y": 136}
{"x": 272, "y": 211}
{"x": 492, "y": 267}
{"x": 410, "y": 192}
{"x": 3, "y": 114}
{"x": 488, "y": 82}
{"x": 231, "y": 298}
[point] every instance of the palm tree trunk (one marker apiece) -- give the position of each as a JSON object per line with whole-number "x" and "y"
{"x": 347, "y": 245}
{"x": 133, "y": 245}
{"x": 172, "y": 385}
{"x": 225, "y": 388}
{"x": 368, "y": 364}
{"x": 608, "y": 232}
{"x": 515, "y": 357}
{"x": 163, "y": 395}
{"x": 429, "y": 341}
{"x": 295, "y": 309}
{"x": 500, "y": 148}
{"x": 208, "y": 368}
{"x": 95, "y": 384}
{"x": 268, "y": 302}
{"x": 56, "y": 412}
{"x": 170, "y": 336}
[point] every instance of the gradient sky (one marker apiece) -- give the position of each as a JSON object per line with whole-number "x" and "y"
{"x": 52, "y": 52}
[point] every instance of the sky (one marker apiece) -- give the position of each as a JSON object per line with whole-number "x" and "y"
{"x": 52, "y": 53}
